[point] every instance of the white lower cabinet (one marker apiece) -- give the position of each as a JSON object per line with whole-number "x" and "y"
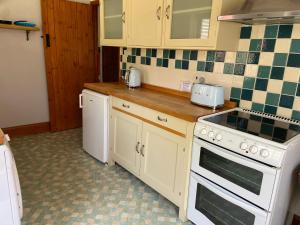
{"x": 156, "y": 155}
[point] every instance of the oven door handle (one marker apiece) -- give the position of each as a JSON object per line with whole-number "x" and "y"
{"x": 228, "y": 196}
{"x": 234, "y": 157}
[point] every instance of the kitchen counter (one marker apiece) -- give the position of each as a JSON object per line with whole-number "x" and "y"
{"x": 160, "y": 99}
{"x": 1, "y": 137}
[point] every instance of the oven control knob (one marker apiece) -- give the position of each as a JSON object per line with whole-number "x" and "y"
{"x": 211, "y": 134}
{"x": 264, "y": 153}
{"x": 244, "y": 146}
{"x": 219, "y": 137}
{"x": 253, "y": 149}
{"x": 203, "y": 131}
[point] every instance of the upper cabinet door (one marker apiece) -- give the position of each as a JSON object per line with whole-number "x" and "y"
{"x": 113, "y": 20}
{"x": 191, "y": 23}
{"x": 145, "y": 23}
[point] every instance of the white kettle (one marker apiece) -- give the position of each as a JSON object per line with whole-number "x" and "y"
{"x": 133, "y": 77}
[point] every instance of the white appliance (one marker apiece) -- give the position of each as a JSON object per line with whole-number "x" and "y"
{"x": 11, "y": 208}
{"x": 95, "y": 123}
{"x": 133, "y": 77}
{"x": 243, "y": 168}
{"x": 207, "y": 95}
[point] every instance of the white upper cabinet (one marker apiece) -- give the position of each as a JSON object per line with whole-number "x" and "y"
{"x": 113, "y": 22}
{"x": 177, "y": 24}
{"x": 146, "y": 22}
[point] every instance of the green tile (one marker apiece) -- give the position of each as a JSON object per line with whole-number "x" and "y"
{"x": 270, "y": 109}
{"x": 264, "y": 71}
{"x": 166, "y": 53}
{"x": 294, "y": 60}
{"x": 255, "y": 45}
{"x": 272, "y": 99}
{"x": 268, "y": 45}
{"x": 298, "y": 90}
{"x": 211, "y": 56}
{"x": 289, "y": 88}
{"x": 153, "y": 53}
{"x": 186, "y": 54}
{"x": 247, "y": 95}
{"x": 178, "y": 64}
{"x": 220, "y": 56}
{"x": 209, "y": 67}
{"x": 228, "y": 68}
{"x": 296, "y": 115}
{"x": 285, "y": 31}
{"x": 286, "y": 101}
{"x": 246, "y": 32}
{"x": 194, "y": 55}
{"x": 149, "y": 52}
{"x": 261, "y": 84}
{"x": 143, "y": 60}
{"x": 271, "y": 31}
{"x": 266, "y": 129}
{"x": 280, "y": 59}
{"x": 253, "y": 57}
{"x": 257, "y": 107}
{"x": 295, "y": 46}
{"x": 165, "y": 63}
{"x": 201, "y": 66}
{"x": 172, "y": 54}
{"x": 249, "y": 82}
{"x": 185, "y": 65}
{"x": 239, "y": 69}
{"x": 236, "y": 93}
{"x": 277, "y": 73}
{"x": 159, "y": 62}
{"x": 241, "y": 57}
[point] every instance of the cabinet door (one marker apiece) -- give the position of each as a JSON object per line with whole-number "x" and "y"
{"x": 126, "y": 141}
{"x": 113, "y": 22}
{"x": 191, "y": 23}
{"x": 161, "y": 152}
{"x": 145, "y": 23}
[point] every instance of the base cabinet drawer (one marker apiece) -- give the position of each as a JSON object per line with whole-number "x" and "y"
{"x": 153, "y": 116}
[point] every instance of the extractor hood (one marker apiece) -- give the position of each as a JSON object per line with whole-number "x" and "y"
{"x": 265, "y": 12}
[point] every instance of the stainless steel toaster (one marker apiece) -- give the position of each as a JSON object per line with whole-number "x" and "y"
{"x": 208, "y": 95}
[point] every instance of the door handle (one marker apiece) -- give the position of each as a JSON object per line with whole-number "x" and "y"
{"x": 168, "y": 11}
{"x": 137, "y": 147}
{"x": 80, "y": 101}
{"x": 142, "y": 150}
{"x": 48, "y": 42}
{"x": 158, "y": 12}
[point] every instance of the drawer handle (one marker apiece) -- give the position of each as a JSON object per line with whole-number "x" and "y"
{"x": 162, "y": 119}
{"x": 126, "y": 106}
{"x": 142, "y": 150}
{"x": 137, "y": 147}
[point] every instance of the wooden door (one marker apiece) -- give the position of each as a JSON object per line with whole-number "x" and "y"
{"x": 126, "y": 138}
{"x": 160, "y": 162}
{"x": 145, "y": 23}
{"x": 71, "y": 54}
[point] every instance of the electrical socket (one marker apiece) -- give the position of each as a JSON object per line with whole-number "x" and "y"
{"x": 186, "y": 86}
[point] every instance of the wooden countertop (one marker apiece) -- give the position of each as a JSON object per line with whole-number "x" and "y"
{"x": 156, "y": 99}
{"x": 1, "y": 137}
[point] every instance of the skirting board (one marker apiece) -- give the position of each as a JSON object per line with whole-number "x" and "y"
{"x": 29, "y": 129}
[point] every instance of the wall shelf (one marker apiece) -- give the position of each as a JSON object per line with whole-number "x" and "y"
{"x": 16, "y": 27}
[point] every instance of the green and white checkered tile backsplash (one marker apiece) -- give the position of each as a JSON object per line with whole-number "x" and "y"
{"x": 267, "y": 61}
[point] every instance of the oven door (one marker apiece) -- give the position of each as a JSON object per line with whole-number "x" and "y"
{"x": 210, "y": 204}
{"x": 247, "y": 178}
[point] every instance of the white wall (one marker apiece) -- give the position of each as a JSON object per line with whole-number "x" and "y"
{"x": 23, "y": 87}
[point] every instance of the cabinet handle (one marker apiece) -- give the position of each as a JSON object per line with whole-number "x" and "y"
{"x": 168, "y": 11}
{"x": 123, "y": 17}
{"x": 137, "y": 147}
{"x": 142, "y": 150}
{"x": 80, "y": 101}
{"x": 158, "y": 12}
{"x": 162, "y": 119}
{"x": 126, "y": 106}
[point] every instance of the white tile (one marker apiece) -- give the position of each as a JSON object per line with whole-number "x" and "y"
{"x": 291, "y": 74}
{"x": 219, "y": 68}
{"x": 259, "y": 96}
{"x": 251, "y": 70}
{"x": 202, "y": 55}
{"x": 266, "y": 58}
{"x": 296, "y": 103}
{"x": 230, "y": 57}
{"x": 179, "y": 54}
{"x": 159, "y": 53}
{"x": 245, "y": 104}
{"x": 171, "y": 63}
{"x": 283, "y": 45}
{"x": 192, "y": 65}
{"x": 275, "y": 86}
{"x": 237, "y": 81}
{"x": 284, "y": 112}
{"x": 244, "y": 44}
{"x": 258, "y": 31}
{"x": 143, "y": 52}
{"x": 296, "y": 31}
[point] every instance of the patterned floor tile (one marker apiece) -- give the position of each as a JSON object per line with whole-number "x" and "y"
{"x": 62, "y": 185}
